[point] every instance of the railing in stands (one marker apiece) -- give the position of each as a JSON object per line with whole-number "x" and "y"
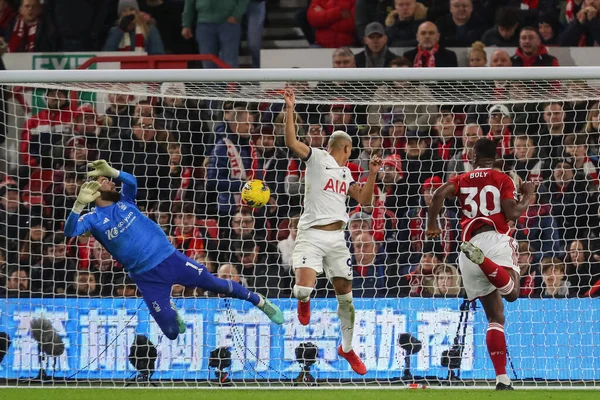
{"x": 169, "y": 61}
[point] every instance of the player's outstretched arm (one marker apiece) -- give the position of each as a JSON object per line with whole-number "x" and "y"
{"x": 512, "y": 208}
{"x": 75, "y": 224}
{"x": 364, "y": 195}
{"x": 291, "y": 141}
{"x": 446, "y": 191}
{"x": 102, "y": 168}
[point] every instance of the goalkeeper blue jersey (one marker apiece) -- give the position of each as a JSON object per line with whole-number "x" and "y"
{"x": 133, "y": 239}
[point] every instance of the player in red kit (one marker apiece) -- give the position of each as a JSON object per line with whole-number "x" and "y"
{"x": 488, "y": 259}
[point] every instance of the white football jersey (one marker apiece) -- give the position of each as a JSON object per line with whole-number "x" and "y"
{"x": 326, "y": 186}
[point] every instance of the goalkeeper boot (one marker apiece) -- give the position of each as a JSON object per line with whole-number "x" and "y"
{"x": 503, "y": 386}
{"x": 355, "y": 362}
{"x": 272, "y": 311}
{"x": 304, "y": 312}
{"x": 180, "y": 321}
{"x": 472, "y": 252}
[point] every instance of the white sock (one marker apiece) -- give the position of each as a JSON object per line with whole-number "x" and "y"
{"x": 503, "y": 379}
{"x": 261, "y": 302}
{"x": 345, "y": 312}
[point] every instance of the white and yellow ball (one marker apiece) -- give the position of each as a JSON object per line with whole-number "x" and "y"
{"x": 255, "y": 193}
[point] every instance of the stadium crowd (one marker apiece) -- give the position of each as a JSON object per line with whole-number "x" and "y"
{"x": 191, "y": 156}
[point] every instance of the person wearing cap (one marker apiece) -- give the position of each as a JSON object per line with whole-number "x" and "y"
{"x": 500, "y": 122}
{"x": 376, "y": 53}
{"x": 461, "y": 27}
{"x": 429, "y": 53}
{"x": 403, "y": 22}
{"x": 333, "y": 21}
{"x": 135, "y": 31}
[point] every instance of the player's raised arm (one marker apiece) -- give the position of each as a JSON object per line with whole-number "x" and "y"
{"x": 512, "y": 208}
{"x": 77, "y": 225}
{"x": 364, "y": 194}
{"x": 446, "y": 191}
{"x": 102, "y": 168}
{"x": 291, "y": 141}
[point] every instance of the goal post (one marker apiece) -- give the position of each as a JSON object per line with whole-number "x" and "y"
{"x": 191, "y": 137}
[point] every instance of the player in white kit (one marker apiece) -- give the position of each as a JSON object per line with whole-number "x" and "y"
{"x": 320, "y": 243}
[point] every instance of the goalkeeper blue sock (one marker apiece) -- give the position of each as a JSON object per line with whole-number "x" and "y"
{"x": 229, "y": 288}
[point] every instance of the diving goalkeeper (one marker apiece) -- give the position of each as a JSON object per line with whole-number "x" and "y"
{"x": 144, "y": 250}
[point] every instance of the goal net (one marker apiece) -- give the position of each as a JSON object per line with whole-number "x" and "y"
{"x": 191, "y": 145}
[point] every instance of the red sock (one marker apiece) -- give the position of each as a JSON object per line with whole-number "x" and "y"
{"x": 498, "y": 276}
{"x": 496, "y": 344}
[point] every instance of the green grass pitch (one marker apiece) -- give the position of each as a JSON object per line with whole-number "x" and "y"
{"x": 261, "y": 394}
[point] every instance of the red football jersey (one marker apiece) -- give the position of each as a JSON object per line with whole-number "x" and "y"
{"x": 481, "y": 192}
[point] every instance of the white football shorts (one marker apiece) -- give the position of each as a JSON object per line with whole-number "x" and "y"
{"x": 323, "y": 251}
{"x": 500, "y": 248}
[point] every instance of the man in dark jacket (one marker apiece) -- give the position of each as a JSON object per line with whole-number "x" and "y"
{"x": 376, "y": 53}
{"x": 460, "y": 28}
{"x": 531, "y": 52}
{"x": 428, "y": 53}
{"x": 506, "y": 31}
{"x": 14, "y": 221}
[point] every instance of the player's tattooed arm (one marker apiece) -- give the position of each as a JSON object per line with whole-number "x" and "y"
{"x": 512, "y": 208}
{"x": 291, "y": 141}
{"x": 446, "y": 191}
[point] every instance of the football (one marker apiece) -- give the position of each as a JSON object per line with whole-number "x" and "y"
{"x": 255, "y": 193}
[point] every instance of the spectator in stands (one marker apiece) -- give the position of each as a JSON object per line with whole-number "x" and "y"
{"x": 477, "y": 55}
{"x": 273, "y": 161}
{"x": 584, "y": 30}
{"x": 255, "y": 16}
{"x": 14, "y": 220}
{"x": 531, "y": 278}
{"x": 576, "y": 148}
{"x": 553, "y": 275}
{"x": 549, "y": 28}
{"x": 461, "y": 161}
{"x": 531, "y": 52}
{"x": 368, "y": 11}
{"x": 7, "y": 18}
{"x": 167, "y": 15}
{"x": 75, "y": 154}
{"x": 445, "y": 144}
{"x": 60, "y": 196}
{"x": 218, "y": 29}
{"x": 189, "y": 237}
{"x": 403, "y": 22}
{"x": 233, "y": 161}
{"x": 120, "y": 110}
{"x": 86, "y": 123}
{"x": 372, "y": 144}
{"x": 262, "y": 277}
{"x": 50, "y": 275}
{"x": 369, "y": 267}
{"x": 243, "y": 228}
{"x": 582, "y": 270}
{"x": 421, "y": 276}
{"x": 500, "y": 121}
{"x": 333, "y": 22}
{"x": 538, "y": 227}
{"x": 30, "y": 252}
{"x": 376, "y": 53}
{"x": 229, "y": 272}
{"x": 17, "y": 283}
{"x": 135, "y": 31}
{"x": 460, "y": 28}
{"x": 553, "y": 130}
{"x": 571, "y": 202}
{"x": 411, "y": 233}
{"x": 182, "y": 182}
{"x": 84, "y": 285}
{"x": 446, "y": 281}
{"x": 44, "y": 130}
{"x": 391, "y": 183}
{"x": 183, "y": 121}
{"x": 343, "y": 57}
{"x": 105, "y": 268}
{"x": 31, "y": 31}
{"x": 429, "y": 53}
{"x": 500, "y": 58}
{"x": 506, "y": 31}
{"x": 413, "y": 116}
{"x": 530, "y": 162}
{"x": 342, "y": 117}
{"x": 419, "y": 163}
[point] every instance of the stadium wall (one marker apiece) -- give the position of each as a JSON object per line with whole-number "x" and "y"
{"x": 554, "y": 339}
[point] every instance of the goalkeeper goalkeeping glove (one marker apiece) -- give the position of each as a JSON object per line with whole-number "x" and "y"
{"x": 87, "y": 194}
{"x": 101, "y": 168}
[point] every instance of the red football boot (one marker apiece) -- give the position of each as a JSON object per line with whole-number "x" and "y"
{"x": 304, "y": 312}
{"x": 357, "y": 365}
